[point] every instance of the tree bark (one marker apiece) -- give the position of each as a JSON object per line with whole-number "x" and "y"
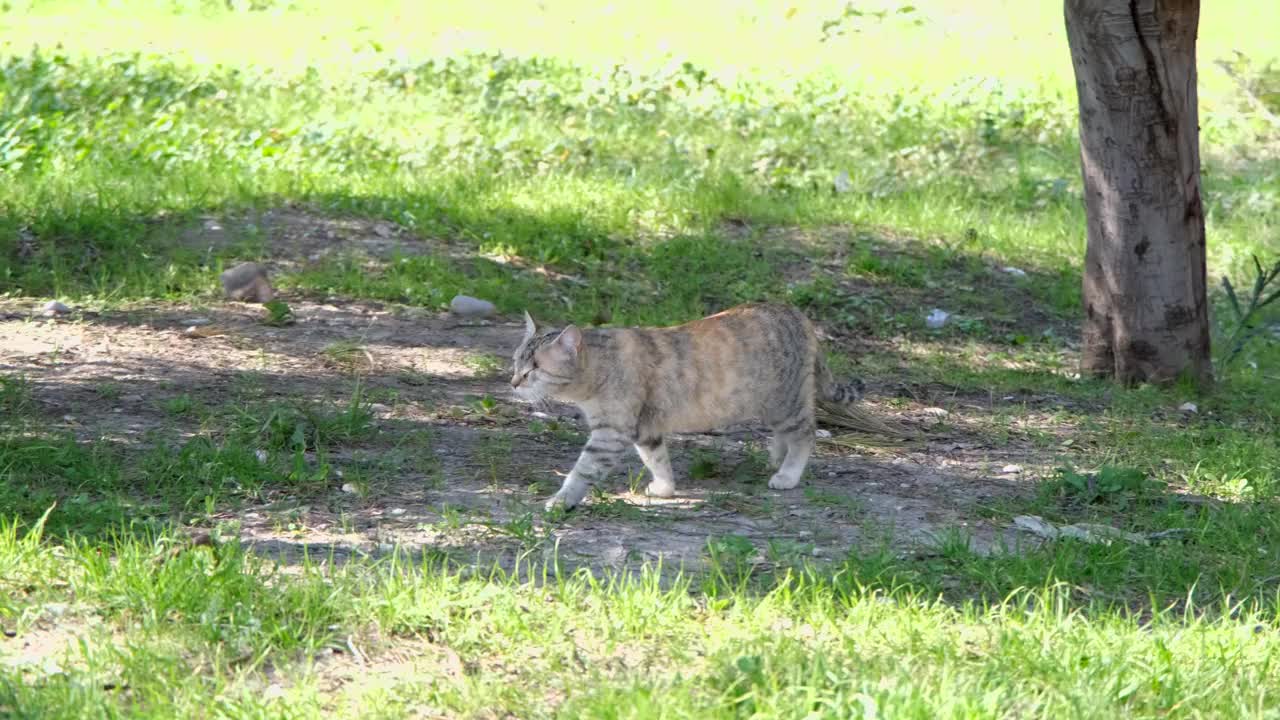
{"x": 1146, "y": 316}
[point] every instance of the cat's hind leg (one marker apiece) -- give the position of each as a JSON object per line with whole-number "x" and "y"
{"x": 653, "y": 452}
{"x": 777, "y": 451}
{"x": 797, "y": 437}
{"x": 600, "y": 455}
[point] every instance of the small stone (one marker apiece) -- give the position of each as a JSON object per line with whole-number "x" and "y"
{"x": 824, "y": 433}
{"x": 261, "y": 455}
{"x": 935, "y": 411}
{"x": 1011, "y": 469}
{"x": 56, "y": 609}
{"x": 842, "y": 182}
{"x": 348, "y": 488}
{"x": 203, "y": 331}
{"x": 467, "y": 306}
{"x": 1188, "y": 407}
{"x": 53, "y": 307}
{"x": 396, "y": 512}
{"x": 247, "y": 282}
{"x": 1016, "y": 272}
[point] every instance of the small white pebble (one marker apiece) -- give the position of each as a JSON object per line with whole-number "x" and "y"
{"x": 824, "y": 433}
{"x": 843, "y": 183}
{"x": 397, "y": 511}
{"x": 53, "y": 307}
{"x": 467, "y": 306}
{"x": 348, "y": 488}
{"x": 1011, "y": 469}
{"x": 1188, "y": 407}
{"x": 261, "y": 455}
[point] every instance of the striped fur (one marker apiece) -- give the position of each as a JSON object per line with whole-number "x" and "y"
{"x": 636, "y": 386}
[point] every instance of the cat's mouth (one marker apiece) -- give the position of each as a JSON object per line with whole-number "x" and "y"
{"x": 530, "y": 395}
{"x": 539, "y": 401}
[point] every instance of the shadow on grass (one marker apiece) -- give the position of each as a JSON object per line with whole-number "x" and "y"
{"x": 181, "y": 465}
{"x": 469, "y": 492}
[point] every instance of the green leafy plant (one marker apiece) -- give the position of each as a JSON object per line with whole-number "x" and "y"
{"x": 484, "y": 405}
{"x": 706, "y": 464}
{"x": 279, "y": 313}
{"x": 1246, "y": 316}
{"x": 1109, "y": 484}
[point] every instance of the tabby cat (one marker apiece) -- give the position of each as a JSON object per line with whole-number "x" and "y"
{"x": 637, "y": 385}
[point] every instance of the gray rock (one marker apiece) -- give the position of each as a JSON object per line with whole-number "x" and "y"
{"x": 467, "y": 306}
{"x": 247, "y": 282}
{"x": 842, "y": 182}
{"x": 53, "y": 307}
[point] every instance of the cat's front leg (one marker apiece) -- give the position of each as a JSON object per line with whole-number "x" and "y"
{"x": 601, "y": 454}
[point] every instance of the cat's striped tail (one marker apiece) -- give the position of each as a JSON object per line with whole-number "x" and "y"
{"x": 830, "y": 391}
{"x": 838, "y": 407}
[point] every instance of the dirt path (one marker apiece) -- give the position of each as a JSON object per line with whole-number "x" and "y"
{"x": 472, "y": 491}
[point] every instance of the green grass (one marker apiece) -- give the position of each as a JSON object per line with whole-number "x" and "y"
{"x": 632, "y": 164}
{"x": 867, "y": 632}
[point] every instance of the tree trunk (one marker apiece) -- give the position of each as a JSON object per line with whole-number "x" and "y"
{"x": 1146, "y": 318}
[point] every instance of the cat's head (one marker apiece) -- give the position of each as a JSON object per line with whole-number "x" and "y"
{"x": 547, "y": 362}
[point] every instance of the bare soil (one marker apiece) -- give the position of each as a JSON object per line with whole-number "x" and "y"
{"x": 468, "y": 481}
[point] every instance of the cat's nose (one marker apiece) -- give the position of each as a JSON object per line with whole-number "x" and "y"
{"x": 515, "y": 382}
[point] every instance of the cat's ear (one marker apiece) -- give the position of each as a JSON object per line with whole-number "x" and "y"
{"x": 570, "y": 340}
{"x": 530, "y": 327}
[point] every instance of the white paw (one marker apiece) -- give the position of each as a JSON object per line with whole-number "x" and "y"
{"x": 568, "y": 497}
{"x": 662, "y": 490}
{"x": 780, "y": 481}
